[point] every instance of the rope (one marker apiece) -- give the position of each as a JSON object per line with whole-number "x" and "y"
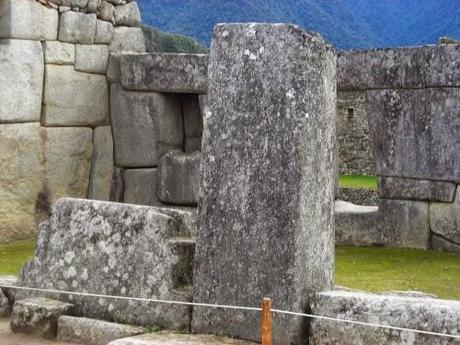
{"x": 224, "y": 306}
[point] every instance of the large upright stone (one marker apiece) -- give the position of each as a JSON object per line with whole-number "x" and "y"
{"x": 145, "y": 125}
{"x": 74, "y": 98}
{"x": 266, "y": 210}
{"x": 21, "y": 80}
{"x": 27, "y": 19}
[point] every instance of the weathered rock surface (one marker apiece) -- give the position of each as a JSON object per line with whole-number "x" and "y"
{"x": 179, "y": 178}
{"x": 145, "y": 125}
{"x": 75, "y": 27}
{"x": 427, "y": 314}
{"x": 59, "y": 53}
{"x": 38, "y": 315}
{"x": 21, "y": 80}
{"x": 445, "y": 222}
{"x": 162, "y": 72}
{"x": 92, "y": 58}
{"x": 67, "y": 163}
{"x": 126, "y": 39}
{"x": 86, "y": 331}
{"x": 113, "y": 68}
{"x": 415, "y": 133}
{"x": 356, "y": 225}
{"x": 74, "y": 98}
{"x": 5, "y": 307}
{"x": 412, "y": 189}
{"x": 28, "y": 20}
{"x": 127, "y": 15}
{"x": 267, "y": 178}
{"x": 193, "y": 122}
{"x": 167, "y": 338}
{"x": 102, "y": 164}
{"x": 141, "y": 187}
{"x": 104, "y": 32}
{"x": 20, "y": 187}
{"x": 127, "y": 248}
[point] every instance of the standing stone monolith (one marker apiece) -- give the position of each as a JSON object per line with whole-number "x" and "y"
{"x": 266, "y": 209}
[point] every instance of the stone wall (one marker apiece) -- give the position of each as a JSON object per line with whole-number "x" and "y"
{"x": 412, "y": 101}
{"x": 55, "y": 134}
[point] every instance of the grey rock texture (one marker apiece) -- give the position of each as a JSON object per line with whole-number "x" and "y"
{"x": 356, "y": 225}
{"x": 267, "y": 178}
{"x": 38, "y": 315}
{"x": 102, "y": 164}
{"x": 442, "y": 244}
{"x": 86, "y": 331}
{"x": 166, "y": 338}
{"x": 358, "y": 196}
{"x": 127, "y": 15}
{"x": 141, "y": 187}
{"x": 113, "y": 249}
{"x": 92, "y": 58}
{"x": 104, "y": 32}
{"x": 27, "y": 19}
{"x": 5, "y": 307}
{"x": 412, "y": 189}
{"x": 74, "y": 98}
{"x": 410, "y": 312}
{"x": 162, "y": 72}
{"x": 193, "y": 121}
{"x": 445, "y": 222}
{"x": 179, "y": 178}
{"x": 75, "y": 27}
{"x": 117, "y": 185}
{"x": 113, "y": 68}
{"x": 404, "y": 224}
{"x": 126, "y": 39}
{"x": 21, "y": 80}
{"x": 145, "y": 126}
{"x": 59, "y": 53}
{"x": 428, "y": 66}
{"x": 192, "y": 144}
{"x": 416, "y": 133}
{"x": 106, "y": 11}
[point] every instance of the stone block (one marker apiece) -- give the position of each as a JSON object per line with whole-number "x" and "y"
{"x": 38, "y": 315}
{"x": 20, "y": 181}
{"x": 67, "y": 162}
{"x": 179, "y": 178}
{"x": 170, "y": 338}
{"x": 141, "y": 187}
{"x": 92, "y": 58}
{"x": 426, "y": 314}
{"x": 442, "y": 244}
{"x": 404, "y": 224}
{"x": 102, "y": 164}
{"x": 445, "y": 220}
{"x": 193, "y": 121}
{"x": 76, "y": 27}
{"x": 74, "y": 98}
{"x": 59, "y": 53}
{"x": 21, "y": 80}
{"x": 106, "y": 11}
{"x": 357, "y": 225}
{"x": 112, "y": 249}
{"x": 117, "y": 186}
{"x": 268, "y": 174}
{"x": 444, "y": 66}
{"x": 80, "y": 330}
{"x": 145, "y": 125}
{"x": 5, "y": 307}
{"x": 126, "y": 39}
{"x": 113, "y": 68}
{"x": 28, "y": 20}
{"x": 415, "y": 133}
{"x": 104, "y": 32}
{"x": 162, "y": 72}
{"x": 127, "y": 15}
{"x": 412, "y": 189}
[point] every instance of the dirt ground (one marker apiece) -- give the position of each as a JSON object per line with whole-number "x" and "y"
{"x": 9, "y": 338}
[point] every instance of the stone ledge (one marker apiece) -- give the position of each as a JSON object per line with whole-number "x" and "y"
{"x": 168, "y": 338}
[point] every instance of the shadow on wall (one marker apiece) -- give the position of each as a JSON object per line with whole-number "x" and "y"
{"x": 5, "y": 22}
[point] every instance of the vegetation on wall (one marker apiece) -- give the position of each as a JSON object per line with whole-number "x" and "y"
{"x": 157, "y": 41}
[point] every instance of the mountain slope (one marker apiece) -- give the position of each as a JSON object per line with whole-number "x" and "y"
{"x": 346, "y": 23}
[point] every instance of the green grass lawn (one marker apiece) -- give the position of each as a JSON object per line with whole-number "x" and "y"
{"x": 358, "y": 182}
{"x": 370, "y": 269}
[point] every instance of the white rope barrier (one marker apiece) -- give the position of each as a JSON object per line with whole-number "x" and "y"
{"x": 223, "y": 306}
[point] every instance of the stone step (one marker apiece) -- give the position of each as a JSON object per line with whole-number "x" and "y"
{"x": 168, "y": 338}
{"x": 80, "y": 330}
{"x": 38, "y": 315}
{"x": 182, "y": 271}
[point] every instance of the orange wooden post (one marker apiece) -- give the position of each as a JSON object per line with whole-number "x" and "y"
{"x": 266, "y": 321}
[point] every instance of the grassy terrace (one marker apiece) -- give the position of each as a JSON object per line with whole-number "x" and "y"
{"x": 359, "y": 182}
{"x": 370, "y": 269}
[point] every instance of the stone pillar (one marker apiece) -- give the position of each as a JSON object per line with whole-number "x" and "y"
{"x": 266, "y": 209}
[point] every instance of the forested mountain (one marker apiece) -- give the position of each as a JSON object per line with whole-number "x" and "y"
{"x": 346, "y": 23}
